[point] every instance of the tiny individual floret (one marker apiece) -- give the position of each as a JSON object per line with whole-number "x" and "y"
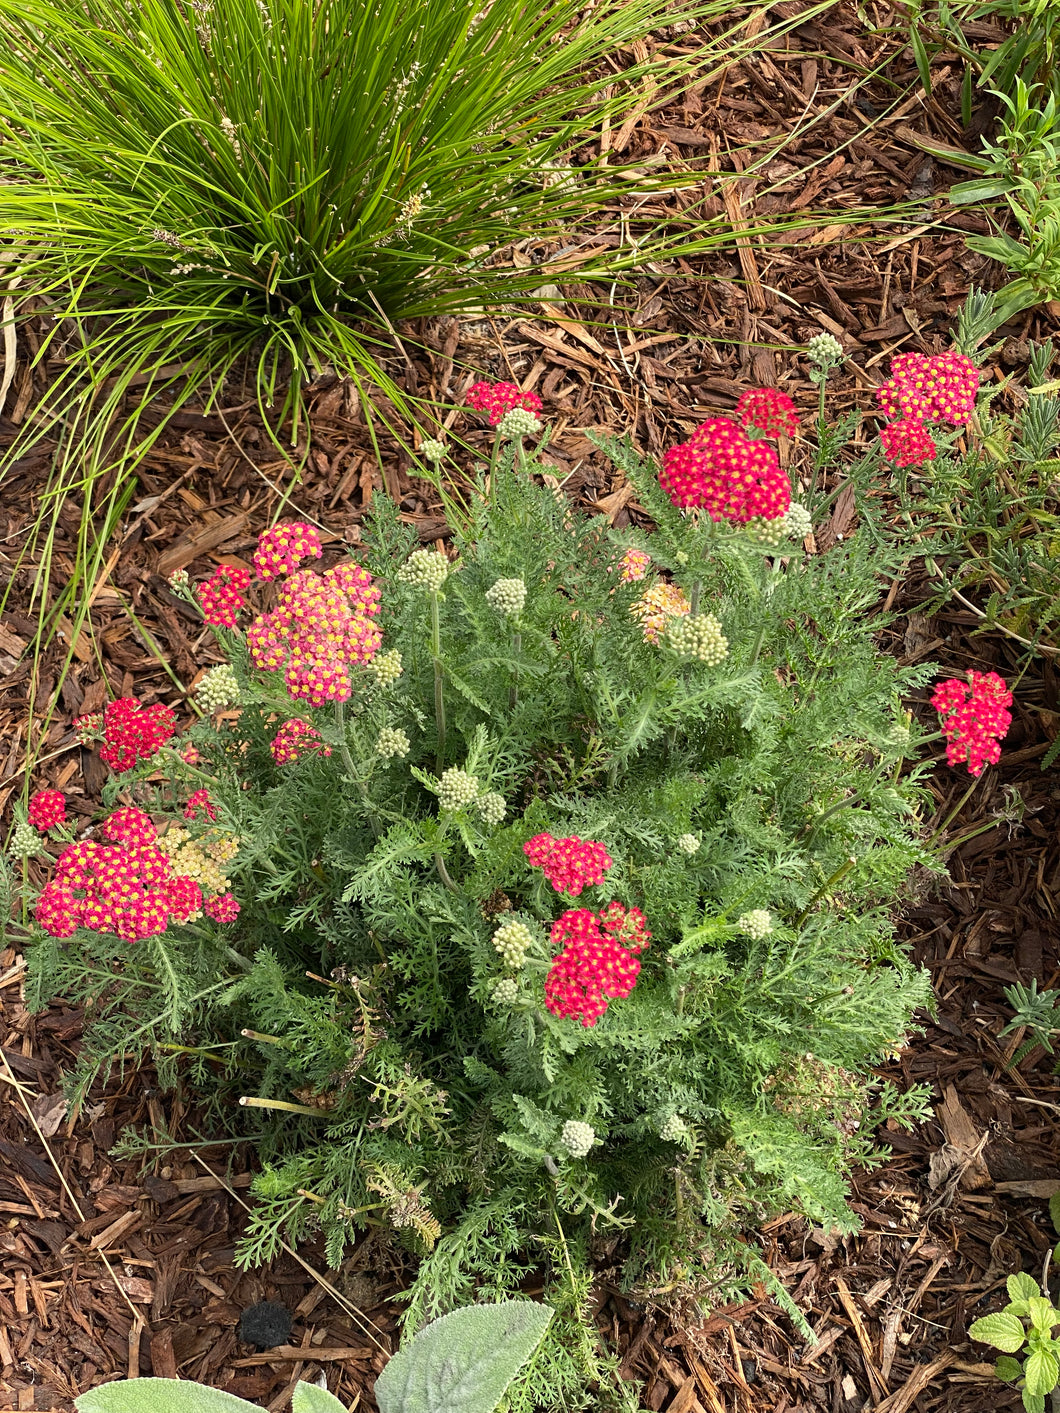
{"x": 47, "y": 808}
{"x": 505, "y": 991}
{"x": 392, "y": 742}
{"x": 281, "y": 550}
{"x": 294, "y": 739}
{"x": 798, "y": 522}
{"x": 633, "y": 565}
{"x": 25, "y": 841}
{"x": 426, "y": 569}
{"x": 673, "y": 1129}
{"x": 507, "y": 596}
{"x": 457, "y": 789}
{"x": 190, "y": 754}
{"x": 756, "y": 924}
{"x": 217, "y": 690}
{"x": 223, "y": 908}
{"x": 513, "y": 940}
{"x": 200, "y": 800}
{"x": 699, "y": 637}
{"x": 491, "y": 807}
{"x": 825, "y": 350}
{"x": 518, "y": 422}
{"x": 688, "y": 843}
{"x": 386, "y": 668}
{"x": 908, "y": 442}
{"x": 767, "y": 410}
{"x": 432, "y": 450}
{"x": 577, "y": 1138}
{"x": 657, "y": 606}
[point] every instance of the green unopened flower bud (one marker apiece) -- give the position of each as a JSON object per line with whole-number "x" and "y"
{"x": 432, "y": 450}
{"x": 825, "y": 350}
{"x": 767, "y": 532}
{"x": 426, "y": 569}
{"x": 491, "y": 807}
{"x": 577, "y": 1138}
{"x": 513, "y": 940}
{"x": 798, "y": 522}
{"x": 674, "y": 1129}
{"x": 386, "y": 667}
{"x": 505, "y": 991}
{"x": 518, "y": 422}
{"x": 758, "y": 923}
{"x": 688, "y": 844}
{"x": 457, "y": 789}
{"x": 699, "y": 637}
{"x": 25, "y": 841}
{"x": 507, "y": 596}
{"x": 217, "y": 690}
{"x": 392, "y": 742}
{"x": 681, "y": 557}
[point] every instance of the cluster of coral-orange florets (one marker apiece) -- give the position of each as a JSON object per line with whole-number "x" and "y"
{"x": 321, "y": 626}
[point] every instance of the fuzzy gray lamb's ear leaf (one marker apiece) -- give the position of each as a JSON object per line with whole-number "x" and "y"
{"x": 309, "y": 1398}
{"x": 160, "y": 1396}
{"x": 463, "y": 1362}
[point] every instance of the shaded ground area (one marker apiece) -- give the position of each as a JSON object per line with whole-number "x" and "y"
{"x": 107, "y": 1266}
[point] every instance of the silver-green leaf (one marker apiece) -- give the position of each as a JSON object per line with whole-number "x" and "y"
{"x": 160, "y": 1396}
{"x": 463, "y": 1362}
{"x": 309, "y": 1398}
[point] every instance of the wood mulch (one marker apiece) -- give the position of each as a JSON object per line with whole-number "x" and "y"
{"x": 112, "y": 1266}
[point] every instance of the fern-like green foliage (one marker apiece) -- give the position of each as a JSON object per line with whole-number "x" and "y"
{"x": 737, "y": 1077}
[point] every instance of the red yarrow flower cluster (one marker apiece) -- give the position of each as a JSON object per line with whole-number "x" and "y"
{"x": 767, "y": 410}
{"x": 125, "y": 887}
{"x": 200, "y": 800}
{"x": 721, "y": 470}
{"x": 46, "y": 809}
{"x": 569, "y": 864}
{"x": 294, "y": 739}
{"x": 937, "y": 389}
{"x": 281, "y": 550}
{"x": 321, "y": 626}
{"x": 499, "y": 398}
{"x": 598, "y": 961}
{"x": 222, "y": 596}
{"x": 222, "y": 908}
{"x": 132, "y": 732}
{"x": 975, "y": 718}
{"x": 907, "y": 443}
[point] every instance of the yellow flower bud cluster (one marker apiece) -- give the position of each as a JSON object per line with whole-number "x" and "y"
{"x": 201, "y": 859}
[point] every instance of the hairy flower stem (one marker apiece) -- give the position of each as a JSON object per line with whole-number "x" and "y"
{"x": 697, "y": 589}
{"x": 513, "y": 691}
{"x": 439, "y": 682}
{"x": 495, "y": 457}
{"x": 938, "y": 833}
{"x": 443, "y": 873}
{"x": 520, "y": 454}
{"x": 351, "y": 771}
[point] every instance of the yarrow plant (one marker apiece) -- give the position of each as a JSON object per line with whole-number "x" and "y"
{"x": 508, "y": 892}
{"x": 975, "y": 718}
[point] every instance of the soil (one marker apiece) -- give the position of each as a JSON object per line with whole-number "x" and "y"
{"x": 117, "y": 1266}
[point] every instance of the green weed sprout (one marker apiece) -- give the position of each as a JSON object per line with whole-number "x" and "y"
{"x": 1026, "y": 1326}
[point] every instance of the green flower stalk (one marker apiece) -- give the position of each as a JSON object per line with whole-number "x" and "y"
{"x": 430, "y": 571}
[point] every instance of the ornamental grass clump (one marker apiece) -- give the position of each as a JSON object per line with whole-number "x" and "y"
{"x": 500, "y": 974}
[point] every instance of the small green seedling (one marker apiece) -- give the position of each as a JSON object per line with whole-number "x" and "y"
{"x": 1028, "y": 1320}
{"x": 461, "y": 1363}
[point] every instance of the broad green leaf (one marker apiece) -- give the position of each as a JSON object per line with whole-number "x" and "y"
{"x": 1008, "y": 1368}
{"x": 984, "y": 189}
{"x": 308, "y": 1398}
{"x": 1003, "y": 1331}
{"x": 463, "y": 1362}
{"x": 1043, "y": 1315}
{"x": 1041, "y": 1372}
{"x": 161, "y": 1396}
{"x": 1033, "y": 1402}
{"x": 1022, "y": 1286}
{"x": 1054, "y": 1211}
